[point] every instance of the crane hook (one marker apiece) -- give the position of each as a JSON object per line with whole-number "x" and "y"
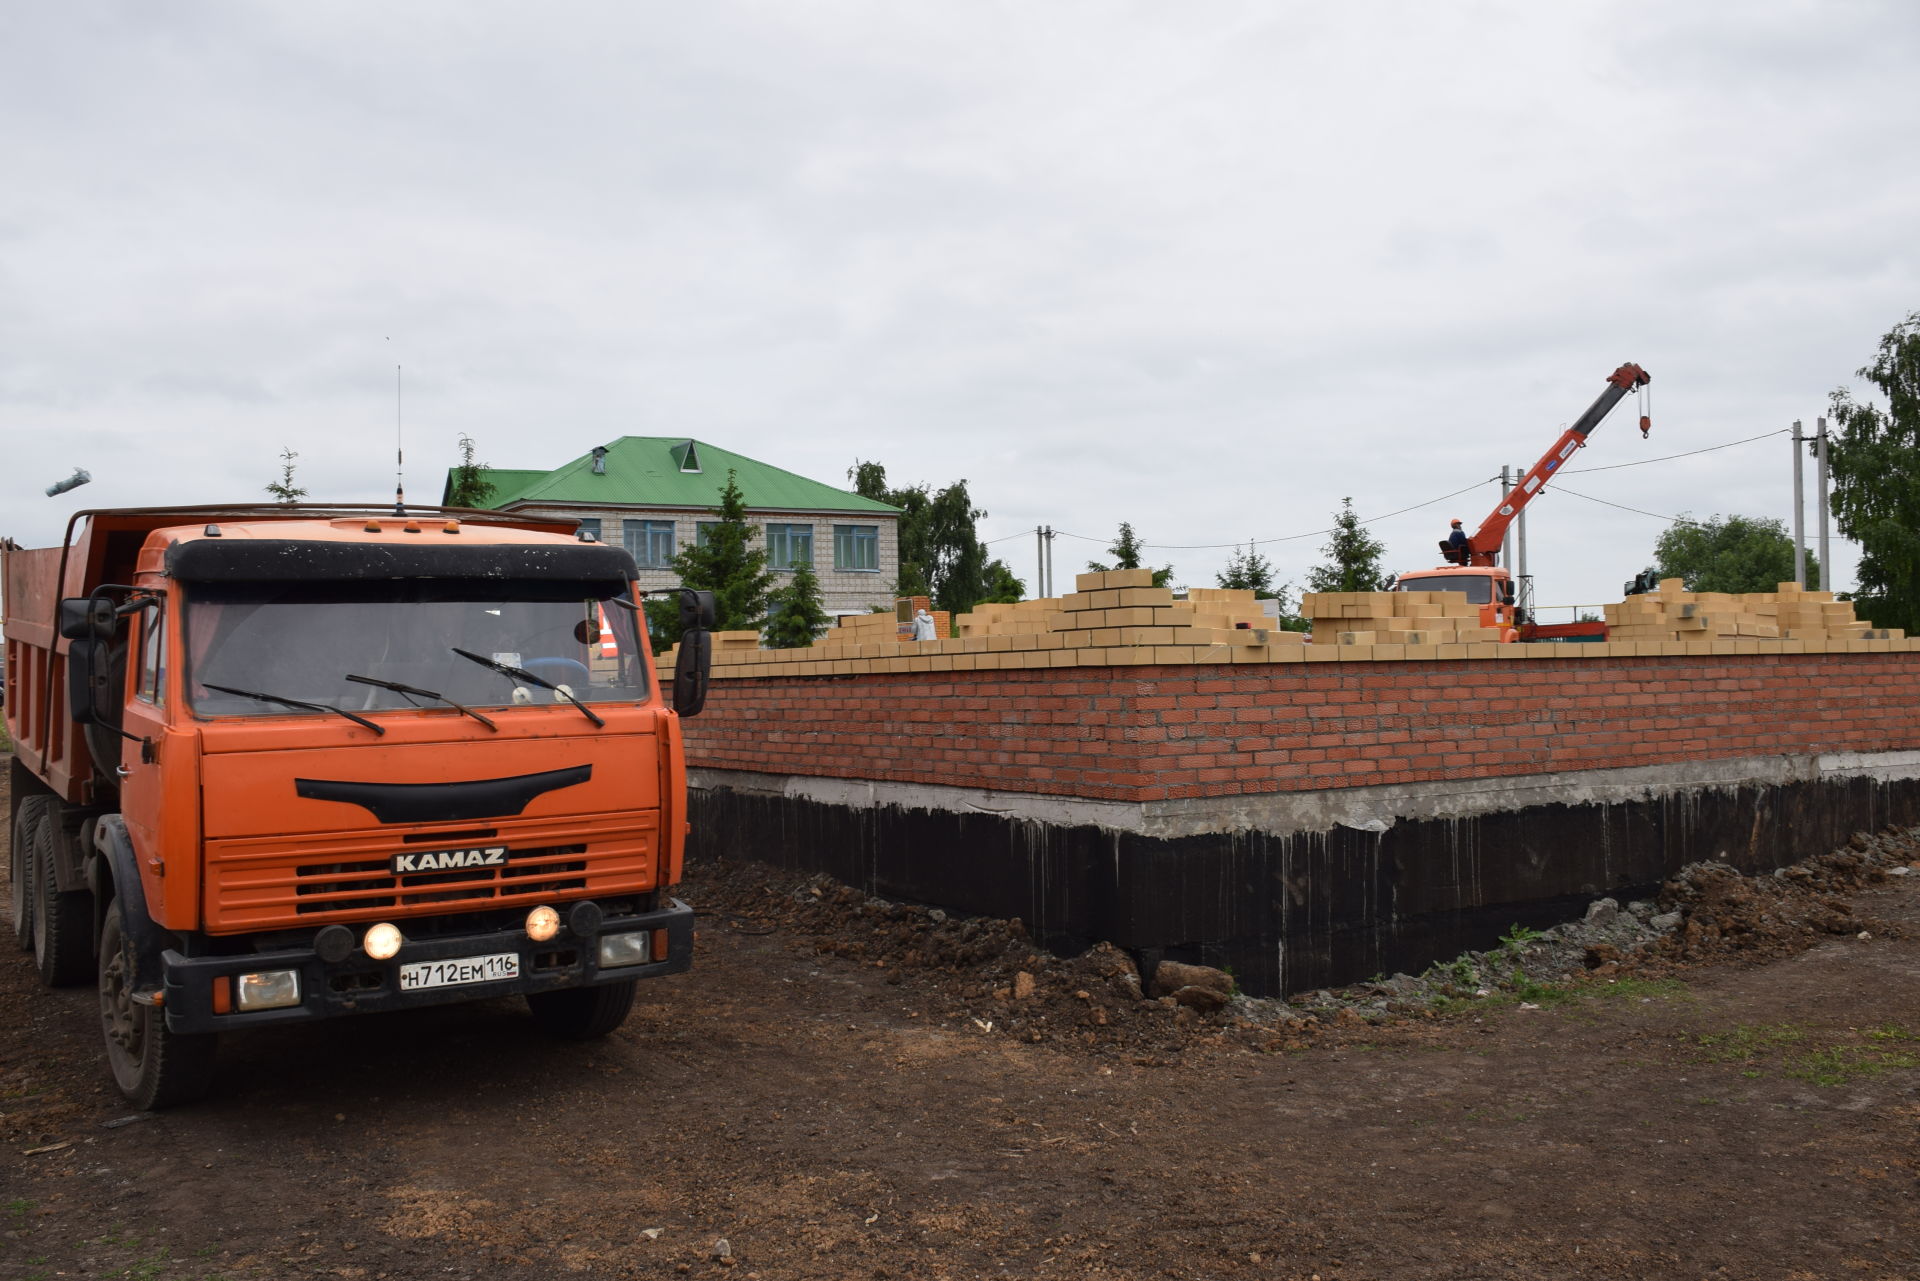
{"x": 1646, "y": 422}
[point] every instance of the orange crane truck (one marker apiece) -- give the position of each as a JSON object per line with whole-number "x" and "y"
{"x": 286, "y": 763}
{"x": 1475, "y": 572}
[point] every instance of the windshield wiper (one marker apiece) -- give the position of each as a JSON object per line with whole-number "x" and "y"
{"x": 522, "y": 674}
{"x": 294, "y": 702}
{"x": 410, "y": 692}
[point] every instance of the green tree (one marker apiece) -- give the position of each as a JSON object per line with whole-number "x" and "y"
{"x": 1728, "y": 554}
{"x": 795, "y": 616}
{"x": 470, "y": 486}
{"x": 1876, "y": 479}
{"x": 1247, "y": 570}
{"x": 284, "y": 489}
{"x": 1250, "y": 571}
{"x": 941, "y": 556}
{"x": 1353, "y": 557}
{"x": 724, "y": 561}
{"x": 663, "y": 622}
{"x": 1125, "y": 551}
{"x": 1003, "y": 588}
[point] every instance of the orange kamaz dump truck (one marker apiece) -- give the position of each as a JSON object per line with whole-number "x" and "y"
{"x": 288, "y": 763}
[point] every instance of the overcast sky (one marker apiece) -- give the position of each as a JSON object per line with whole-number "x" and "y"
{"x": 1207, "y": 268}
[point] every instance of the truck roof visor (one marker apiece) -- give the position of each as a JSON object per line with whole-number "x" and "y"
{"x": 257, "y": 560}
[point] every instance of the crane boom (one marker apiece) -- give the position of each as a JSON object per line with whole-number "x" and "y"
{"x": 1484, "y": 546}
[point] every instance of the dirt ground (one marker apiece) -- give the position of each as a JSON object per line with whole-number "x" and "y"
{"x": 849, "y": 1089}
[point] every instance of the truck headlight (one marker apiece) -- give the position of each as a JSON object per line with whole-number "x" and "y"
{"x": 542, "y": 923}
{"x": 383, "y": 941}
{"x": 623, "y": 949}
{"x": 267, "y": 990}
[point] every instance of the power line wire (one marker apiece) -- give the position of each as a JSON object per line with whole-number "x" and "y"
{"x": 1284, "y": 538}
{"x": 1373, "y": 520}
{"x": 1645, "y": 462}
{"x": 1675, "y": 520}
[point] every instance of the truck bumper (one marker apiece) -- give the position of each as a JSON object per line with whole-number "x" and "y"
{"x": 362, "y": 985}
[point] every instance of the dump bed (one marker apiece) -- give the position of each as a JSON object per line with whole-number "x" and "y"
{"x": 103, "y": 547}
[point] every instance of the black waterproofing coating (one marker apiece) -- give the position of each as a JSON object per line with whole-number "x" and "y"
{"x": 282, "y": 560}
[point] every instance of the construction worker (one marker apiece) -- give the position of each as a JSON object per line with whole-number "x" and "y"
{"x": 1459, "y": 551}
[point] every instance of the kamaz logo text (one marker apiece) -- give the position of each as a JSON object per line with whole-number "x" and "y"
{"x": 450, "y": 860}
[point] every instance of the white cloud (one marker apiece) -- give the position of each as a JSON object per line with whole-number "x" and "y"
{"x": 1207, "y": 269}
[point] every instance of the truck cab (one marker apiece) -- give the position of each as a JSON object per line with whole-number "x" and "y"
{"x": 1488, "y": 586}
{"x": 287, "y": 764}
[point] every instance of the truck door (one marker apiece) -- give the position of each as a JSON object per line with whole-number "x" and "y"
{"x": 143, "y": 758}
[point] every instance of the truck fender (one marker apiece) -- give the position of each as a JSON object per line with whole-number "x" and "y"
{"x": 115, "y": 873}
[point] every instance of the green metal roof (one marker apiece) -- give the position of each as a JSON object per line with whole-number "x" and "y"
{"x": 649, "y": 471}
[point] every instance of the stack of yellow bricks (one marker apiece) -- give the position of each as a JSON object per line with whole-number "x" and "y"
{"x": 1117, "y": 618}
{"x": 1407, "y": 624}
{"x": 1789, "y": 613}
{"x": 1120, "y": 618}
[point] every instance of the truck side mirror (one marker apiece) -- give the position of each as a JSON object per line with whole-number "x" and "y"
{"x": 696, "y": 610}
{"x": 87, "y": 617}
{"x": 91, "y": 697}
{"x": 694, "y": 665}
{"x": 90, "y": 622}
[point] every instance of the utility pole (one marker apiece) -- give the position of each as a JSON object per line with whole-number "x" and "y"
{"x": 1506, "y": 538}
{"x": 1520, "y": 564}
{"x": 1050, "y": 588}
{"x": 1039, "y": 562}
{"x": 1799, "y": 532}
{"x": 1820, "y": 451}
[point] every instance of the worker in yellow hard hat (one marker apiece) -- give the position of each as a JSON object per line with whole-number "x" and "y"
{"x": 1459, "y": 550}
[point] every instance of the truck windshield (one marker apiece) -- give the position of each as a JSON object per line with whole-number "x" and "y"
{"x": 1477, "y": 588}
{"x": 302, "y": 640}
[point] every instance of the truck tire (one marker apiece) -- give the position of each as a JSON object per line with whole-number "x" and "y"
{"x": 582, "y": 1013}
{"x": 62, "y": 922}
{"x": 25, "y": 818}
{"x": 153, "y": 1067}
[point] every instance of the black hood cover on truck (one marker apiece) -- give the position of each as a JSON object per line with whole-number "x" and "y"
{"x": 438, "y": 802}
{"x": 260, "y": 560}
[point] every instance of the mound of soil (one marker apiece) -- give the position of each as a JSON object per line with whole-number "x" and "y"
{"x": 970, "y": 970}
{"x": 991, "y": 974}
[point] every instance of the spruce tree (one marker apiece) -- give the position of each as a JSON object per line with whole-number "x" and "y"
{"x": 1250, "y": 571}
{"x": 727, "y": 565}
{"x": 796, "y": 617}
{"x": 1353, "y": 557}
{"x": 1126, "y": 551}
{"x": 284, "y": 490}
{"x": 470, "y": 487}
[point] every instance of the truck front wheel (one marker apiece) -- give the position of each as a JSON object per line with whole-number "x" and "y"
{"x": 153, "y": 1067}
{"x": 583, "y": 1013}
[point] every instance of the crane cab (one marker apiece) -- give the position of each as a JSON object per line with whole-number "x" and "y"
{"x": 1488, "y": 586}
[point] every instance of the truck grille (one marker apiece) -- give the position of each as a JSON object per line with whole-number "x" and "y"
{"x": 333, "y": 887}
{"x": 289, "y": 881}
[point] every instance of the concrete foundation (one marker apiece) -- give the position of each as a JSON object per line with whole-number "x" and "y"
{"x": 1304, "y": 889}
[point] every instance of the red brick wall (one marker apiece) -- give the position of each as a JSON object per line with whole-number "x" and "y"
{"x": 1155, "y": 733}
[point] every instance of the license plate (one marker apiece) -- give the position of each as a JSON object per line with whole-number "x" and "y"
{"x": 459, "y": 971}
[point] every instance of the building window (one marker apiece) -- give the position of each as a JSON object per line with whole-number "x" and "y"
{"x": 789, "y": 546}
{"x": 856, "y": 547}
{"x": 590, "y": 525}
{"x": 703, "y": 531}
{"x": 649, "y": 542}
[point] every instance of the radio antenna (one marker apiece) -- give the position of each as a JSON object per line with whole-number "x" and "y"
{"x": 399, "y": 452}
